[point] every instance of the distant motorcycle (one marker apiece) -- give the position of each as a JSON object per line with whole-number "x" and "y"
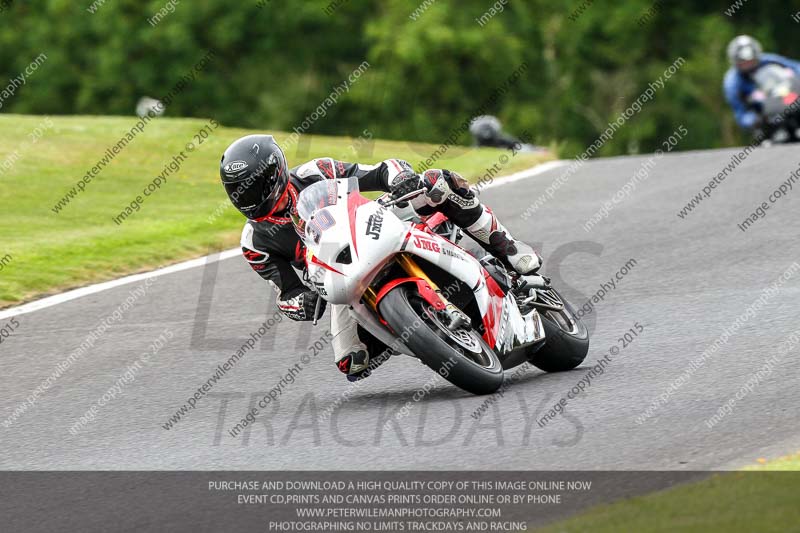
{"x": 777, "y": 97}
{"x": 409, "y": 284}
{"x": 487, "y": 132}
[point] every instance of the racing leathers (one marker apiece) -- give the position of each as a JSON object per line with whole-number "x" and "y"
{"x": 738, "y": 88}
{"x": 274, "y": 250}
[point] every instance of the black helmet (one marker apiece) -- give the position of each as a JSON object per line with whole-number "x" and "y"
{"x": 744, "y": 53}
{"x": 254, "y": 173}
{"x": 485, "y": 128}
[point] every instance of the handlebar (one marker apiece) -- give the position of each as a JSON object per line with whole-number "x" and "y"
{"x": 404, "y": 198}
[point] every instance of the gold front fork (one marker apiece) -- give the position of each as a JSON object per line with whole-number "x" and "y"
{"x": 371, "y": 298}
{"x": 457, "y": 317}
{"x": 412, "y": 269}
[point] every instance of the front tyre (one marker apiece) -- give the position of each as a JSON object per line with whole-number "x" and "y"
{"x": 462, "y": 357}
{"x": 566, "y": 339}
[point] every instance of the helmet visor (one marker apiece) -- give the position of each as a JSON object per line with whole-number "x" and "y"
{"x": 247, "y": 195}
{"x": 747, "y": 65}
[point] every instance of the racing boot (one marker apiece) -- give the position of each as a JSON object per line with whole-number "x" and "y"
{"x": 351, "y": 354}
{"x": 498, "y": 241}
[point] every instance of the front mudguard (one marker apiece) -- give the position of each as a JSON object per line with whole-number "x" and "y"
{"x": 423, "y": 287}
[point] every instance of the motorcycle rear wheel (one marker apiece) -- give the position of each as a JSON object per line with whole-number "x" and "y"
{"x": 462, "y": 357}
{"x": 567, "y": 340}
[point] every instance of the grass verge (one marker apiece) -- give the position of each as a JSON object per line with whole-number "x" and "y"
{"x": 761, "y": 498}
{"x": 42, "y": 158}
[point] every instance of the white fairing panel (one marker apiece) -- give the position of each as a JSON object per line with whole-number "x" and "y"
{"x": 373, "y": 237}
{"x": 349, "y": 239}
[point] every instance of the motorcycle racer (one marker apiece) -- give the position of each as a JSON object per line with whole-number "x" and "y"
{"x": 746, "y": 57}
{"x": 256, "y": 177}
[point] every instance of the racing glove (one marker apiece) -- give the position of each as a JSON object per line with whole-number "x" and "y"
{"x": 404, "y": 183}
{"x": 301, "y": 307}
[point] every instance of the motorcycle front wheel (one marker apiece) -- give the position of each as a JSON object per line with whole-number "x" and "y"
{"x": 461, "y": 357}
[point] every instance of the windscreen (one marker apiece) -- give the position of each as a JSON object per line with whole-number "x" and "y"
{"x": 770, "y": 78}
{"x": 318, "y": 196}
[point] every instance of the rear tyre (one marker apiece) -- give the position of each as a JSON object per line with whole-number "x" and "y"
{"x": 462, "y": 357}
{"x": 567, "y": 340}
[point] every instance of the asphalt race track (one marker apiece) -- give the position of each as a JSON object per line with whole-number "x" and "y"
{"x": 692, "y": 278}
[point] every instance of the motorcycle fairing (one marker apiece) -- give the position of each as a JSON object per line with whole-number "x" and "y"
{"x": 375, "y": 235}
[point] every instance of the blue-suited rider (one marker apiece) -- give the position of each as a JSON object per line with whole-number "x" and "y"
{"x": 746, "y": 57}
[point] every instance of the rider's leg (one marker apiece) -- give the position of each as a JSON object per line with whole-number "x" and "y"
{"x": 450, "y": 194}
{"x": 350, "y": 354}
{"x": 356, "y": 352}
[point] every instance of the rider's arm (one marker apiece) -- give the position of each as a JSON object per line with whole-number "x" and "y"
{"x": 745, "y": 117}
{"x": 783, "y": 61}
{"x": 294, "y": 299}
{"x": 376, "y": 177}
{"x": 370, "y": 177}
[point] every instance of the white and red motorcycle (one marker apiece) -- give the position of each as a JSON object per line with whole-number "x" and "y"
{"x": 421, "y": 294}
